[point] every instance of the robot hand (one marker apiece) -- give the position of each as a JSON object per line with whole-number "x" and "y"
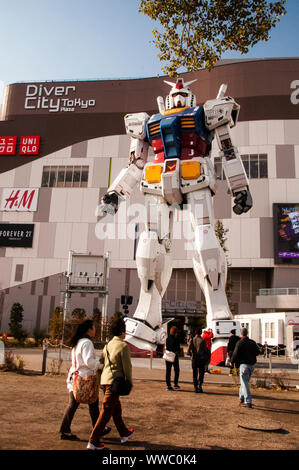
{"x": 109, "y": 203}
{"x": 243, "y": 201}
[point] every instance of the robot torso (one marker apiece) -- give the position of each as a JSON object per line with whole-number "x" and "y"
{"x": 179, "y": 133}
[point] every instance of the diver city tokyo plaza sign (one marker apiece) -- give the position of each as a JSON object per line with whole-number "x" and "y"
{"x": 55, "y": 99}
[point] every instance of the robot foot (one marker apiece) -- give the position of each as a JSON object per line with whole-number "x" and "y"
{"x": 219, "y": 350}
{"x": 142, "y": 339}
{"x": 139, "y": 347}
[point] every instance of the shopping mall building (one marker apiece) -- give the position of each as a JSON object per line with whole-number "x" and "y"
{"x": 62, "y": 143}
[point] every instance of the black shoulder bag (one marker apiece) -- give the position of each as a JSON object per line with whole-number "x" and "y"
{"x": 120, "y": 385}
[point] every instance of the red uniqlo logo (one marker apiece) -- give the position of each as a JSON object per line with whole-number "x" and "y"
{"x": 29, "y": 145}
{"x": 8, "y": 145}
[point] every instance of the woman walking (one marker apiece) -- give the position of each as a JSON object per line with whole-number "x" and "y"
{"x": 84, "y": 364}
{"x": 173, "y": 345}
{"x": 117, "y": 363}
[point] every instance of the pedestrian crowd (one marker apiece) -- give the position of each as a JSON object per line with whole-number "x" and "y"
{"x": 113, "y": 374}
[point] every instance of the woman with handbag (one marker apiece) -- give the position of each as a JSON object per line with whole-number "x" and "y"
{"x": 81, "y": 380}
{"x": 173, "y": 347}
{"x": 117, "y": 370}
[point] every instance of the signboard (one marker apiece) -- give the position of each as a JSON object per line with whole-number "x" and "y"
{"x": 8, "y": 145}
{"x": 55, "y": 98}
{"x": 19, "y": 199}
{"x": 29, "y": 145}
{"x": 16, "y": 235}
{"x": 286, "y": 233}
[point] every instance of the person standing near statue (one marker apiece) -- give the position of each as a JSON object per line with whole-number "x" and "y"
{"x": 244, "y": 355}
{"x": 233, "y": 339}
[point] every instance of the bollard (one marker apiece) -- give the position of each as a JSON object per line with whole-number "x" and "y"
{"x": 45, "y": 352}
{"x": 270, "y": 362}
{"x": 2, "y": 353}
{"x": 151, "y": 360}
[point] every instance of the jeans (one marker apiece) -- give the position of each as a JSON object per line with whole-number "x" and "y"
{"x": 176, "y": 367}
{"x": 245, "y": 374}
{"x": 110, "y": 407}
{"x": 71, "y": 410}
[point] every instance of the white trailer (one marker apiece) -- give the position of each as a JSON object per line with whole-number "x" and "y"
{"x": 275, "y": 328}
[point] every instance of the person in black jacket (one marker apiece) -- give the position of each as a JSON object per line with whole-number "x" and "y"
{"x": 173, "y": 345}
{"x": 199, "y": 353}
{"x": 244, "y": 356}
{"x": 233, "y": 339}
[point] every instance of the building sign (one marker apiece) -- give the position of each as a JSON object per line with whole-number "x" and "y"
{"x": 55, "y": 99}
{"x": 29, "y": 145}
{"x": 286, "y": 233}
{"x": 16, "y": 235}
{"x": 8, "y": 145}
{"x": 19, "y": 199}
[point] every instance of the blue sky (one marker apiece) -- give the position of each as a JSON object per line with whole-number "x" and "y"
{"x": 91, "y": 39}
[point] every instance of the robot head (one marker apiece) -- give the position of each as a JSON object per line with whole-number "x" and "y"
{"x": 180, "y": 95}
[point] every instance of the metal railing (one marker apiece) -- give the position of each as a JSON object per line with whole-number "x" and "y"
{"x": 280, "y": 291}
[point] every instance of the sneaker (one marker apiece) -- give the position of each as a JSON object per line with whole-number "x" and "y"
{"x": 247, "y": 405}
{"x": 124, "y": 439}
{"x": 241, "y": 400}
{"x": 69, "y": 437}
{"x": 106, "y": 430}
{"x": 200, "y": 390}
{"x": 91, "y": 446}
{"x": 170, "y": 389}
{"x": 176, "y": 387}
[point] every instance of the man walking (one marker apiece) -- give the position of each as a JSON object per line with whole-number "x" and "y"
{"x": 244, "y": 355}
{"x": 233, "y": 339}
{"x": 198, "y": 351}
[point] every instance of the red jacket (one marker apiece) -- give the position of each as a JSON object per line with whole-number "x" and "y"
{"x": 208, "y": 338}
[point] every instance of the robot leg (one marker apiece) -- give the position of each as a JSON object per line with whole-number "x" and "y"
{"x": 144, "y": 331}
{"x": 210, "y": 268}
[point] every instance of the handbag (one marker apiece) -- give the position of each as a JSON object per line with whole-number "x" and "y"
{"x": 85, "y": 389}
{"x": 227, "y": 362}
{"x": 169, "y": 356}
{"x": 120, "y": 385}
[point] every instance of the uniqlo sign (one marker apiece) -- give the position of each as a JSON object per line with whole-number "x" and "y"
{"x": 29, "y": 145}
{"x": 8, "y": 145}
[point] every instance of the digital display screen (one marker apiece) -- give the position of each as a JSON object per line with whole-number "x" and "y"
{"x": 286, "y": 233}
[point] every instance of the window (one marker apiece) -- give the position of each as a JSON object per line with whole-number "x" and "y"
{"x": 65, "y": 177}
{"x": 255, "y": 165}
{"x": 19, "y": 272}
{"x": 245, "y": 284}
{"x": 182, "y": 285}
{"x": 270, "y": 330}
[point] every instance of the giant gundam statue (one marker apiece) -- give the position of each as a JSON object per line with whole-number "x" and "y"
{"x": 182, "y": 174}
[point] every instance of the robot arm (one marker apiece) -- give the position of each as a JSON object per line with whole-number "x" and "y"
{"x": 129, "y": 177}
{"x": 221, "y": 114}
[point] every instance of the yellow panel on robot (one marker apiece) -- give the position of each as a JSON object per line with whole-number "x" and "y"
{"x": 153, "y": 173}
{"x": 190, "y": 170}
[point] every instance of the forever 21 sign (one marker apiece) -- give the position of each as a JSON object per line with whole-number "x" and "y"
{"x": 16, "y": 235}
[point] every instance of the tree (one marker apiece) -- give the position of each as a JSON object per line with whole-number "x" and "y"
{"x": 78, "y": 314}
{"x": 56, "y": 324}
{"x": 97, "y": 321}
{"x": 221, "y": 232}
{"x": 16, "y": 319}
{"x": 195, "y": 33}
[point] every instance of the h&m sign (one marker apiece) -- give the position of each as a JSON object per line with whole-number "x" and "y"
{"x": 19, "y": 199}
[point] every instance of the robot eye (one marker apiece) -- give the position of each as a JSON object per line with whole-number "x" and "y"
{"x": 179, "y": 93}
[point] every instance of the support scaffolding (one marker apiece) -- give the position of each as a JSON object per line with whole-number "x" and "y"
{"x": 89, "y": 274}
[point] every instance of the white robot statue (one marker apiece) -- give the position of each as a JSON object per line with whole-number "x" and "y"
{"x": 183, "y": 175}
